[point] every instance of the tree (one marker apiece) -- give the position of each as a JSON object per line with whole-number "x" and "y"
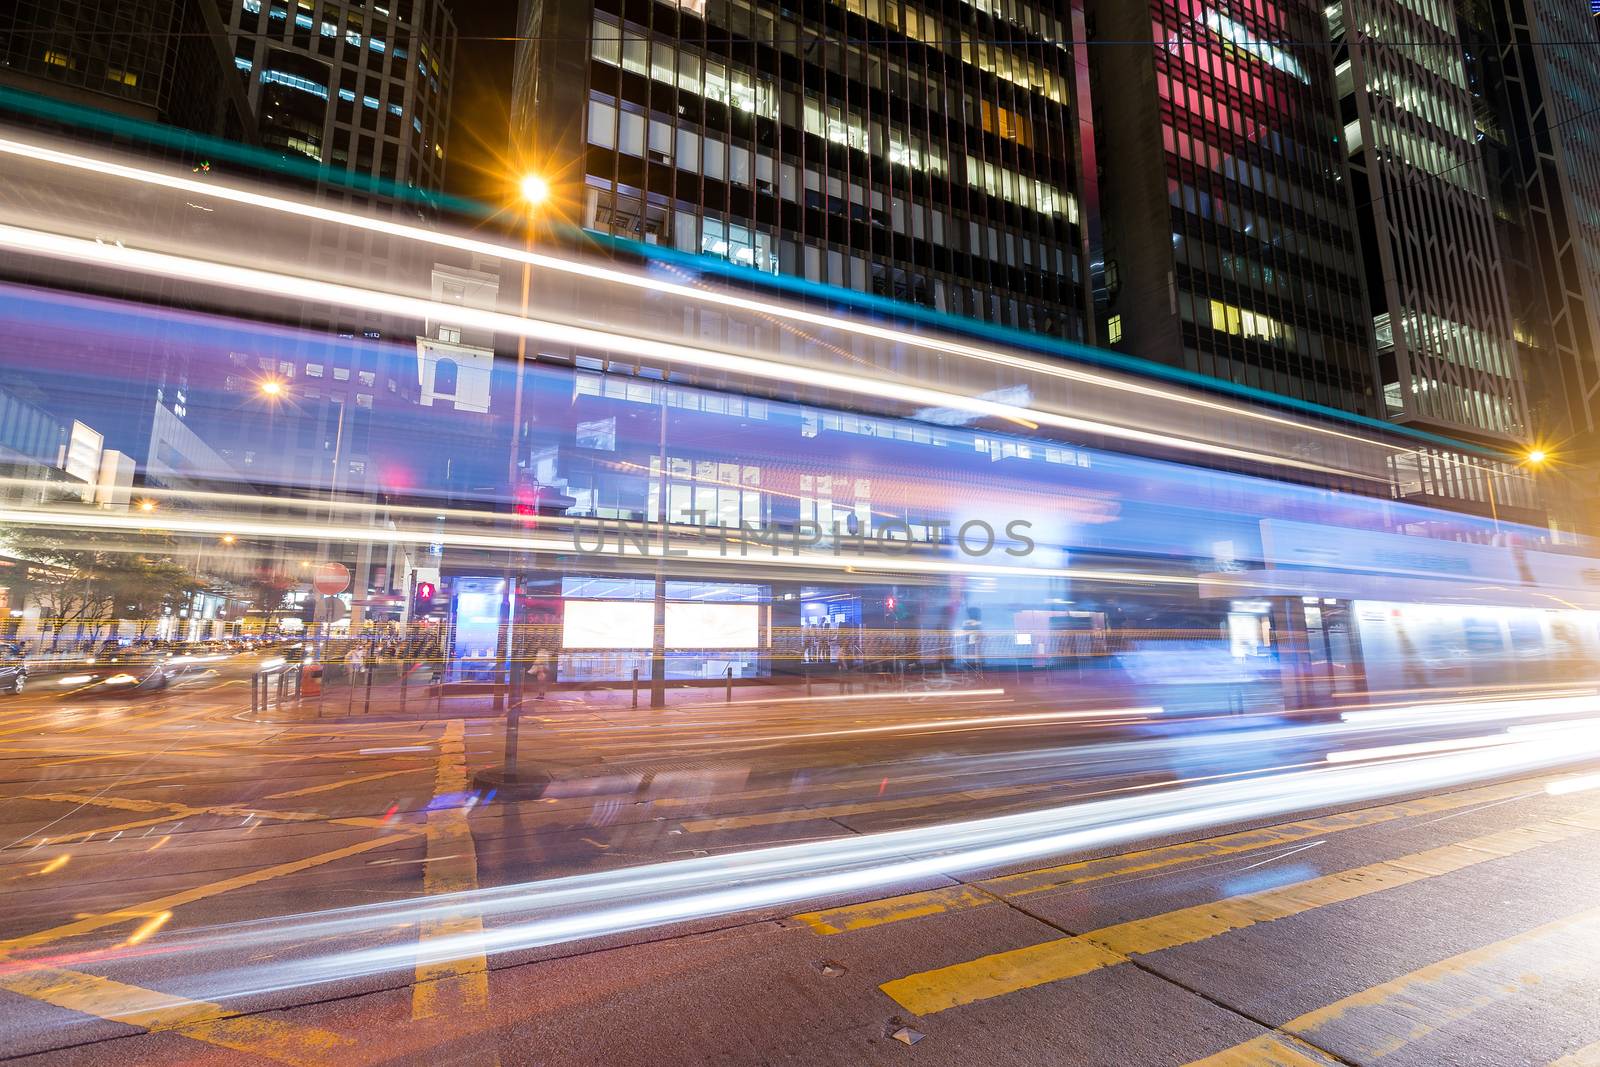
{"x": 269, "y": 590}
{"x": 91, "y": 578}
{"x": 148, "y": 588}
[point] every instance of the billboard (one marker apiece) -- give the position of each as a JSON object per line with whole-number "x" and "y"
{"x": 700, "y": 625}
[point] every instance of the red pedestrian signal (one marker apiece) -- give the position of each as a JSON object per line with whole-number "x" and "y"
{"x": 422, "y": 598}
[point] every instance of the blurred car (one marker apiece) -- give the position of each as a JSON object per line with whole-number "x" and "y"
{"x": 13, "y": 669}
{"x": 128, "y": 671}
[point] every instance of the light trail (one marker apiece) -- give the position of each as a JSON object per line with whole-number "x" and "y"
{"x": 1478, "y": 711}
{"x": 985, "y": 722}
{"x": 100, "y": 166}
{"x": 196, "y": 524}
{"x": 1418, "y": 748}
{"x": 258, "y": 282}
{"x": 202, "y": 963}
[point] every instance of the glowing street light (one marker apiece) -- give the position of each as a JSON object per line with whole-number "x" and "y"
{"x": 147, "y": 506}
{"x": 228, "y": 539}
{"x": 534, "y": 189}
{"x": 1536, "y": 456}
{"x": 271, "y": 387}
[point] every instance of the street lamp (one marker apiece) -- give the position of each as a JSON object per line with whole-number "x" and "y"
{"x": 147, "y": 506}
{"x": 535, "y": 190}
{"x": 1533, "y": 457}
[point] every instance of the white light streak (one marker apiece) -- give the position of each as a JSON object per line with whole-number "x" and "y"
{"x": 1581, "y": 784}
{"x": 589, "y": 269}
{"x": 257, "y": 282}
{"x": 1417, "y": 748}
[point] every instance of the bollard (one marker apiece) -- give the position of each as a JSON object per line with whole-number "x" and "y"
{"x": 255, "y": 700}
{"x": 808, "y": 679}
{"x": 405, "y": 678}
{"x": 366, "y": 704}
{"x": 636, "y": 687}
{"x": 728, "y": 695}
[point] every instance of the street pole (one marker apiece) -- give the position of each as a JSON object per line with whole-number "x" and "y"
{"x": 1494, "y": 509}
{"x": 658, "y": 631}
{"x": 508, "y": 779}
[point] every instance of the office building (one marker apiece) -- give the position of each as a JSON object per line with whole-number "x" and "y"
{"x": 1230, "y": 243}
{"x": 1539, "y": 128}
{"x": 935, "y": 154}
{"x": 362, "y": 88}
{"x": 158, "y": 60}
{"x": 1441, "y": 309}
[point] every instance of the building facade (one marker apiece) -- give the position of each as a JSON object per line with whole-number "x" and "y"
{"x": 930, "y": 153}
{"x": 157, "y": 60}
{"x": 359, "y": 88}
{"x": 1441, "y": 310}
{"x": 1540, "y": 132}
{"x": 1230, "y": 243}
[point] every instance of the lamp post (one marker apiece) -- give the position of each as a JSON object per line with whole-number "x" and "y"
{"x": 1534, "y": 458}
{"x": 275, "y": 391}
{"x": 533, "y": 191}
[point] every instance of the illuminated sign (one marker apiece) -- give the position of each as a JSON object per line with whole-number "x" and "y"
{"x": 607, "y": 624}
{"x": 713, "y": 626}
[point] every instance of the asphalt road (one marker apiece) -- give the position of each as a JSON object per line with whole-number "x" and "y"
{"x": 178, "y": 871}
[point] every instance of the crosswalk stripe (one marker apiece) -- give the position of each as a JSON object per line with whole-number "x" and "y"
{"x": 1007, "y": 972}
{"x": 917, "y": 905}
{"x": 1382, "y": 1020}
{"x": 156, "y": 1012}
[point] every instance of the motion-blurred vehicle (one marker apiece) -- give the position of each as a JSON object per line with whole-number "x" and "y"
{"x": 13, "y": 669}
{"x": 129, "y": 671}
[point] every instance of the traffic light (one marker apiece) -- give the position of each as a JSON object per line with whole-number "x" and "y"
{"x": 422, "y": 598}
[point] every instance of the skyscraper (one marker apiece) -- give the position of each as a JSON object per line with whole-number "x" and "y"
{"x": 1447, "y": 353}
{"x": 1230, "y": 244}
{"x": 360, "y": 88}
{"x": 1534, "y": 65}
{"x": 929, "y": 154}
{"x": 159, "y": 60}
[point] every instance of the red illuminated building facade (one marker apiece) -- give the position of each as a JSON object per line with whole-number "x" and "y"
{"x": 1230, "y": 242}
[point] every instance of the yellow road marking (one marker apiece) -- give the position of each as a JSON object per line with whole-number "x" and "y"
{"x": 1387, "y": 1017}
{"x": 1268, "y": 1050}
{"x": 200, "y": 1020}
{"x": 450, "y": 988}
{"x": 337, "y": 785}
{"x": 1588, "y": 1056}
{"x": 1068, "y": 957}
{"x": 184, "y": 811}
{"x": 895, "y": 909}
{"x": 91, "y": 923}
{"x": 84, "y": 835}
{"x": 1082, "y": 872}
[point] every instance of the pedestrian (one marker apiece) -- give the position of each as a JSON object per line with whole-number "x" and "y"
{"x": 356, "y": 660}
{"x": 540, "y": 672}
